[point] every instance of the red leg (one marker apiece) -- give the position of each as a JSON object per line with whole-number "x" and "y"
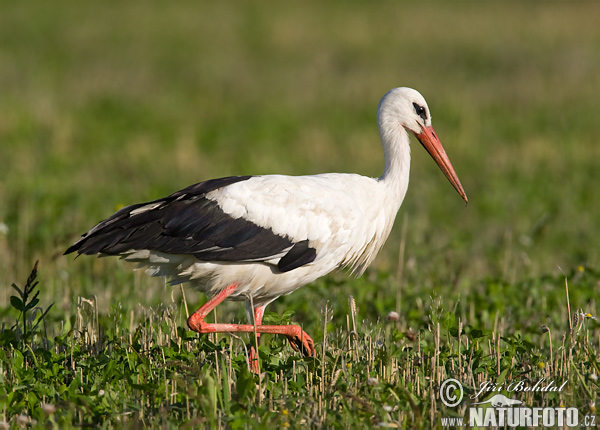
{"x": 299, "y": 340}
{"x": 253, "y": 358}
{"x": 196, "y": 320}
{"x": 258, "y": 315}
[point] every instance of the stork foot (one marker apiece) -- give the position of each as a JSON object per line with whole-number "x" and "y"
{"x": 301, "y": 341}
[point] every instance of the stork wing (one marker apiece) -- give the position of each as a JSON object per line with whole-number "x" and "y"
{"x": 186, "y": 222}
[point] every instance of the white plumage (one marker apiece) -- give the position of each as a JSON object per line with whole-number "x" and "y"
{"x": 346, "y": 218}
{"x": 266, "y": 236}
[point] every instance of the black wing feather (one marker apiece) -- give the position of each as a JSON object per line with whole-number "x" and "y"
{"x": 299, "y": 255}
{"x": 186, "y": 222}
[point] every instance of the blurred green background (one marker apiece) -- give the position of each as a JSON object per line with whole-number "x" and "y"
{"x": 105, "y": 104}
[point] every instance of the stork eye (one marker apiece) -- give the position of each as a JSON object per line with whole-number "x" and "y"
{"x": 420, "y": 110}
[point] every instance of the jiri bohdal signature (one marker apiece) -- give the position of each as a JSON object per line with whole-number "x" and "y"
{"x": 517, "y": 387}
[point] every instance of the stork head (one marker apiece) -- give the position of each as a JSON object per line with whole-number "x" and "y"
{"x": 406, "y": 108}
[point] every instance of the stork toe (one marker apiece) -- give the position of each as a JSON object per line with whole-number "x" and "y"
{"x": 302, "y": 342}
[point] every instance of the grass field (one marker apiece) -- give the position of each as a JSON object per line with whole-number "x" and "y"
{"x": 104, "y": 105}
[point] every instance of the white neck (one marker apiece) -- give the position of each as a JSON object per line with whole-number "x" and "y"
{"x": 391, "y": 189}
{"x": 396, "y": 148}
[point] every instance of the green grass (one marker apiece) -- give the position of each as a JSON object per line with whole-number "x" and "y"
{"x": 106, "y": 105}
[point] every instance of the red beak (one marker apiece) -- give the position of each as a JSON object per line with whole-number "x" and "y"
{"x": 432, "y": 144}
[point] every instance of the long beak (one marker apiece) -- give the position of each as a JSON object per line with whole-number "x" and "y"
{"x": 432, "y": 144}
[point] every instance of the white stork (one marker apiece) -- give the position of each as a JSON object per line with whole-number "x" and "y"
{"x": 255, "y": 238}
